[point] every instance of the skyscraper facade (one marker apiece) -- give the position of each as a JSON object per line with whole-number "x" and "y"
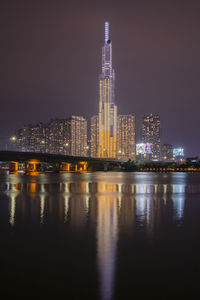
{"x": 126, "y": 137}
{"x": 55, "y": 137}
{"x": 167, "y": 152}
{"x": 59, "y": 136}
{"x": 67, "y": 136}
{"x": 107, "y": 108}
{"x": 31, "y": 138}
{"x": 151, "y": 133}
{"x": 78, "y": 136}
{"x": 94, "y": 136}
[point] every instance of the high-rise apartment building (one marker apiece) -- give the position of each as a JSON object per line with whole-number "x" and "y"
{"x": 22, "y": 138}
{"x": 59, "y": 136}
{"x": 94, "y": 136}
{"x": 167, "y": 152}
{"x": 37, "y": 138}
{"x": 68, "y": 136}
{"x": 126, "y": 137}
{"x": 55, "y": 137}
{"x": 107, "y": 108}
{"x": 79, "y": 145}
{"x": 31, "y": 138}
{"x": 151, "y": 133}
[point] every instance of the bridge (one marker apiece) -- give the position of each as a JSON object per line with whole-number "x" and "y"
{"x": 32, "y": 161}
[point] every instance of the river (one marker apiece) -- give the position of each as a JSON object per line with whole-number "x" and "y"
{"x": 102, "y": 235}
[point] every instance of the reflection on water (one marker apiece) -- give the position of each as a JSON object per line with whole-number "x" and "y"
{"x": 123, "y": 207}
{"x": 66, "y": 207}
{"x": 12, "y": 209}
{"x": 178, "y": 202}
{"x": 42, "y": 208}
{"x": 95, "y": 187}
{"x": 78, "y": 202}
{"x": 107, "y": 230}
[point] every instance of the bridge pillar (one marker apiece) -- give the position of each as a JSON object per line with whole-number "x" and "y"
{"x": 83, "y": 166}
{"x": 31, "y": 165}
{"x": 66, "y": 167}
{"x": 13, "y": 166}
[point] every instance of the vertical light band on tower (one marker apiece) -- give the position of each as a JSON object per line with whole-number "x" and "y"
{"x": 107, "y": 108}
{"x": 106, "y": 32}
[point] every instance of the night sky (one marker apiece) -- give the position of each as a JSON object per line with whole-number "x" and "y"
{"x": 50, "y": 60}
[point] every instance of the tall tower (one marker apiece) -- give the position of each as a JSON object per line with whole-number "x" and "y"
{"x": 107, "y": 107}
{"x": 78, "y": 136}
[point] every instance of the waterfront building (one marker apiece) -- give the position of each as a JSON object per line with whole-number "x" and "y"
{"x": 143, "y": 151}
{"x": 37, "y": 138}
{"x": 67, "y": 136}
{"x": 55, "y": 137}
{"x": 178, "y": 154}
{"x": 167, "y": 152}
{"x": 31, "y": 138}
{"x": 151, "y": 133}
{"x": 59, "y": 136}
{"x": 126, "y": 137}
{"x": 94, "y": 136}
{"x": 79, "y": 145}
{"x": 107, "y": 108}
{"x": 22, "y": 139}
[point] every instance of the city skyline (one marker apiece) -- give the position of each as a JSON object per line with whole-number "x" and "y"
{"x": 111, "y": 135}
{"x": 156, "y": 66}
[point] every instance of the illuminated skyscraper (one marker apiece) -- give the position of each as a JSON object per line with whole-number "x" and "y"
{"x": 167, "y": 152}
{"x": 67, "y": 136}
{"x": 78, "y": 136}
{"x": 55, "y": 136}
{"x": 151, "y": 134}
{"x": 31, "y": 138}
{"x": 107, "y": 108}
{"x": 59, "y": 136}
{"x": 126, "y": 137}
{"x": 94, "y": 136}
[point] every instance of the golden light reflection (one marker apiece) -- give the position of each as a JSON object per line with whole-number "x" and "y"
{"x": 42, "y": 208}
{"x": 66, "y": 207}
{"x": 32, "y": 173}
{"x": 12, "y": 209}
{"x": 33, "y": 187}
{"x": 107, "y": 234}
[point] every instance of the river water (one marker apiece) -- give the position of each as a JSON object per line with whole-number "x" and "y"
{"x": 102, "y": 235}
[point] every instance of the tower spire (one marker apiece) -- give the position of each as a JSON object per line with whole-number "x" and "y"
{"x": 106, "y": 32}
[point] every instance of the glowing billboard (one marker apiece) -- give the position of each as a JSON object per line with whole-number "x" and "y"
{"x": 148, "y": 148}
{"x": 143, "y": 149}
{"x": 177, "y": 152}
{"x": 140, "y": 149}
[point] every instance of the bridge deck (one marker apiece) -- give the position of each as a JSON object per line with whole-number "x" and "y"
{"x": 6, "y": 156}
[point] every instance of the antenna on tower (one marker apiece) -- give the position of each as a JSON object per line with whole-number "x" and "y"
{"x": 106, "y": 32}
